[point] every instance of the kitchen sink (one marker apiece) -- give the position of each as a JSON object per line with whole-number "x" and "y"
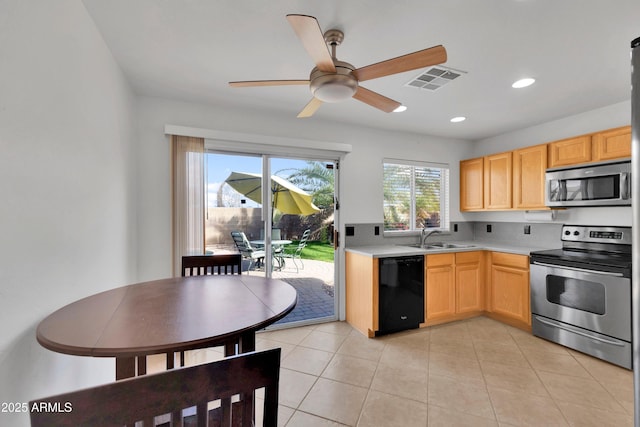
{"x": 440, "y": 245}
{"x": 446, "y": 245}
{"x": 413, "y": 245}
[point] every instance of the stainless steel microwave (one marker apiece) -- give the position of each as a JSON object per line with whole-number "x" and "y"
{"x": 595, "y": 184}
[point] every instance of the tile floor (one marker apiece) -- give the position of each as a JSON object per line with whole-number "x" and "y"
{"x": 477, "y": 372}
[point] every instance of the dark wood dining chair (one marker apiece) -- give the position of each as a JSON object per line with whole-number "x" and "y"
{"x": 204, "y": 265}
{"x": 201, "y": 265}
{"x": 178, "y": 397}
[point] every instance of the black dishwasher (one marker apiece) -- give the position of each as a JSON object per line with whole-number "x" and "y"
{"x": 401, "y": 293}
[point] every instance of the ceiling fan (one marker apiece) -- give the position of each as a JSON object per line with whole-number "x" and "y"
{"x": 332, "y": 80}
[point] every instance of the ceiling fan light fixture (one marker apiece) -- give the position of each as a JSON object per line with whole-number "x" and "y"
{"x": 334, "y": 87}
{"x": 523, "y": 83}
{"x": 400, "y": 109}
{"x": 458, "y": 119}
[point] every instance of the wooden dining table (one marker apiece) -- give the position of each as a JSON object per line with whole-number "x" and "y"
{"x": 167, "y": 316}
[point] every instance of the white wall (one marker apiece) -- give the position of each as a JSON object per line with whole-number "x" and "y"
{"x": 67, "y": 180}
{"x": 592, "y": 121}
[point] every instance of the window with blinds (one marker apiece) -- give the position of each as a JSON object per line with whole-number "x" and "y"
{"x": 415, "y": 195}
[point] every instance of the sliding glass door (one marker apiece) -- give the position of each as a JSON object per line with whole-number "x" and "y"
{"x": 287, "y": 224}
{"x": 234, "y": 218}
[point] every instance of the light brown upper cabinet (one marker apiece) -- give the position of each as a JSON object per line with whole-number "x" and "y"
{"x": 516, "y": 179}
{"x": 612, "y": 144}
{"x": 471, "y": 187}
{"x": 570, "y": 151}
{"x": 529, "y": 166}
{"x": 497, "y": 181}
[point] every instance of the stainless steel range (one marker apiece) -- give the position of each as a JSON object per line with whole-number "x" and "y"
{"x": 581, "y": 294}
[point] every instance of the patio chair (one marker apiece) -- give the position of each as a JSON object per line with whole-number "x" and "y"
{"x": 293, "y": 252}
{"x": 175, "y": 397}
{"x": 248, "y": 252}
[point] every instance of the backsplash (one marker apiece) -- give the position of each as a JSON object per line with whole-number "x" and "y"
{"x": 365, "y": 235}
{"x": 539, "y": 234}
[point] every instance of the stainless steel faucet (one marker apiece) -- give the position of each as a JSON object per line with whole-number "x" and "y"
{"x": 426, "y": 233}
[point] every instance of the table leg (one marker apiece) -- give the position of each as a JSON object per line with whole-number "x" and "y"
{"x": 230, "y": 348}
{"x": 247, "y": 342}
{"x": 170, "y": 360}
{"x": 125, "y": 367}
{"x": 142, "y": 365}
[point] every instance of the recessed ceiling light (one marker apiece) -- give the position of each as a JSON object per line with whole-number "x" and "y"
{"x": 400, "y": 109}
{"x": 458, "y": 119}
{"x": 523, "y": 83}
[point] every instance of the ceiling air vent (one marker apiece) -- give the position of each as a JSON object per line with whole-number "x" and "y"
{"x": 435, "y": 77}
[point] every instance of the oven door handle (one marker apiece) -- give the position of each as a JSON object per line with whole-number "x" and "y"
{"x": 582, "y": 270}
{"x": 579, "y": 332}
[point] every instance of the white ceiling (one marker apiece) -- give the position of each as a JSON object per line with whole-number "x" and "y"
{"x": 577, "y": 50}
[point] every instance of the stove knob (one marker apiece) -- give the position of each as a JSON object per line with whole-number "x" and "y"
{"x": 567, "y": 232}
{"x": 576, "y": 233}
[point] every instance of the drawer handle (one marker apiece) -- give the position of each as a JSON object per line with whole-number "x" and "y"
{"x": 579, "y": 332}
{"x": 582, "y": 270}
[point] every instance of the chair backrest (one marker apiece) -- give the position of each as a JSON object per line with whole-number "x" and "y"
{"x": 202, "y": 265}
{"x": 295, "y": 251}
{"x": 142, "y": 398}
{"x": 242, "y": 243}
{"x": 303, "y": 239}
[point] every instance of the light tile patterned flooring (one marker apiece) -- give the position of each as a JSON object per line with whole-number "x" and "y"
{"x": 477, "y": 372}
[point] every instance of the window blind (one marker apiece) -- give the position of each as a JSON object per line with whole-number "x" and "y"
{"x": 415, "y": 195}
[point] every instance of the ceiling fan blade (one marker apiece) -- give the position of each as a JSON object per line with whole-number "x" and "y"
{"x": 420, "y": 59}
{"x": 376, "y": 100}
{"x": 252, "y": 83}
{"x": 309, "y": 32}
{"x": 310, "y": 108}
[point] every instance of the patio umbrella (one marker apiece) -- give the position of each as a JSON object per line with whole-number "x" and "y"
{"x": 286, "y": 197}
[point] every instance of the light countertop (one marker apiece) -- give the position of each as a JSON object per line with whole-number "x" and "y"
{"x": 395, "y": 250}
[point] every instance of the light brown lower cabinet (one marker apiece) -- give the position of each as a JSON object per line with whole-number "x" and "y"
{"x": 509, "y": 293}
{"x": 458, "y": 285}
{"x": 454, "y": 286}
{"x": 362, "y": 282}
